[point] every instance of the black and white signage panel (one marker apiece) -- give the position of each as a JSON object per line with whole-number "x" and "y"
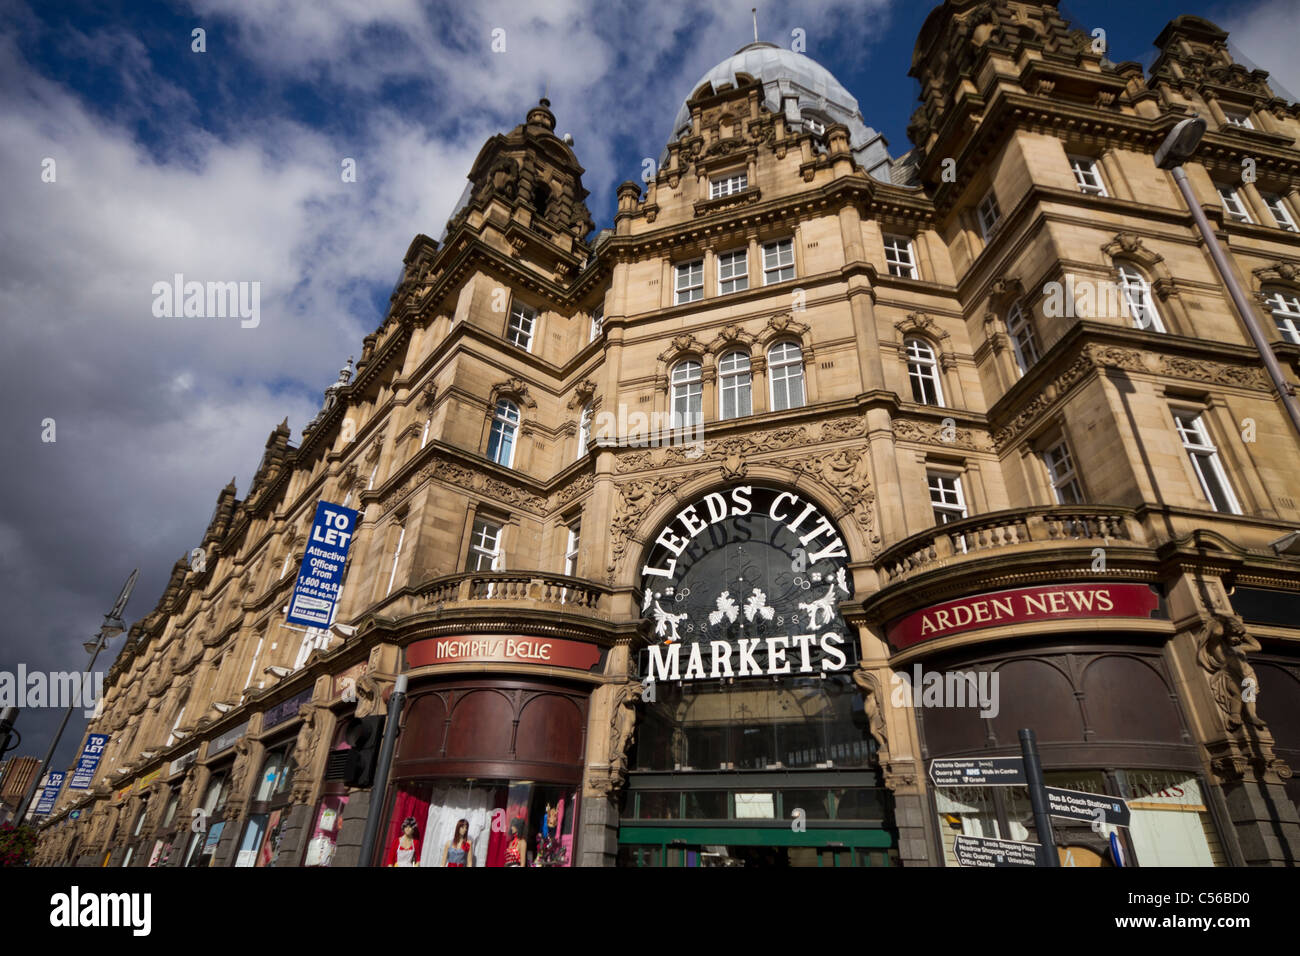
{"x": 746, "y": 582}
{"x": 978, "y": 772}
{"x": 1078, "y": 805}
{"x": 985, "y": 851}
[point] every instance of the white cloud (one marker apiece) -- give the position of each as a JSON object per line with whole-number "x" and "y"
{"x": 1266, "y": 33}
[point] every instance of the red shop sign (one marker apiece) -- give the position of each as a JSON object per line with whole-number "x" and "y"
{"x": 510, "y": 648}
{"x": 1022, "y": 606}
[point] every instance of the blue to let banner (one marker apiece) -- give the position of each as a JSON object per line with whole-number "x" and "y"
{"x": 321, "y": 576}
{"x": 88, "y": 761}
{"x": 53, "y": 784}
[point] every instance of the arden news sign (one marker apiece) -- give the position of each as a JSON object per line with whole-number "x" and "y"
{"x": 1022, "y": 606}
{"x": 746, "y": 582}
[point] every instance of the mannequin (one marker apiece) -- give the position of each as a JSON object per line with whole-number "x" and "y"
{"x": 516, "y": 848}
{"x": 458, "y": 851}
{"x": 405, "y": 851}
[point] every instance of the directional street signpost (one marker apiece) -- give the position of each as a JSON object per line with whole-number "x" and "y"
{"x": 1078, "y": 805}
{"x": 985, "y": 851}
{"x": 978, "y": 772}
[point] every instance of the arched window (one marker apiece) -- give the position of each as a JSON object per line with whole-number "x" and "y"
{"x": 735, "y": 391}
{"x": 923, "y": 371}
{"x": 541, "y": 198}
{"x": 1023, "y": 341}
{"x": 501, "y": 443}
{"x": 785, "y": 372}
{"x": 1285, "y": 307}
{"x": 584, "y": 430}
{"x": 1137, "y": 295}
{"x": 687, "y": 395}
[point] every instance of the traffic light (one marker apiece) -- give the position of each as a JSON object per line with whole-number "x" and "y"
{"x": 364, "y": 735}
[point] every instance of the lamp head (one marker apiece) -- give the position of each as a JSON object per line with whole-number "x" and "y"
{"x": 1181, "y": 142}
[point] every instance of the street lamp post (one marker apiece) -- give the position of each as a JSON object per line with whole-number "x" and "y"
{"x": 112, "y": 627}
{"x": 1176, "y": 149}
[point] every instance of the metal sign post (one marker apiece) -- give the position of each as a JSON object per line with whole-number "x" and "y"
{"x": 1038, "y": 799}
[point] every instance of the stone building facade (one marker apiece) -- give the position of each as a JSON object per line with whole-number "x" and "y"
{"x": 984, "y": 408}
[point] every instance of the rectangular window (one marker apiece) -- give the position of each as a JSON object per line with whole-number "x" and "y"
{"x": 424, "y": 438}
{"x": 727, "y": 185}
{"x": 1023, "y": 341}
{"x": 1233, "y": 207}
{"x": 733, "y": 271}
{"x": 1060, "y": 468}
{"x": 1205, "y": 461}
{"x": 1285, "y": 307}
{"x": 597, "y": 322}
{"x": 1277, "y": 209}
{"x": 778, "y": 261}
{"x": 520, "y": 329}
{"x": 1086, "y": 176}
{"x": 946, "y": 497}
{"x": 485, "y": 546}
{"x": 571, "y": 549}
{"x": 690, "y": 281}
{"x": 989, "y": 215}
{"x": 899, "y": 258}
{"x": 1238, "y": 118}
{"x": 397, "y": 556}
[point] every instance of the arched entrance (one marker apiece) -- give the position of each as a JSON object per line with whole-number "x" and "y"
{"x": 752, "y": 744}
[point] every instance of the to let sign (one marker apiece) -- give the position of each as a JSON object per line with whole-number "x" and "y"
{"x": 985, "y": 851}
{"x": 88, "y": 761}
{"x": 1021, "y": 606}
{"x": 321, "y": 576}
{"x": 53, "y": 784}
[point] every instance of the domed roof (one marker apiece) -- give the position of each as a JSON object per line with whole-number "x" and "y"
{"x": 800, "y": 86}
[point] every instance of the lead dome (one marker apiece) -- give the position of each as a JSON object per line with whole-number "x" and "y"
{"x": 804, "y": 90}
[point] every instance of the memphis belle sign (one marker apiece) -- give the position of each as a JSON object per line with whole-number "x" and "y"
{"x": 1023, "y": 606}
{"x": 746, "y": 582}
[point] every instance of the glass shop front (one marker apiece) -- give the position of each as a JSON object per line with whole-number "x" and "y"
{"x": 487, "y": 773}
{"x": 752, "y": 744}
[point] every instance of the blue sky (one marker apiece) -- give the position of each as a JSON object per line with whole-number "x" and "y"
{"x": 225, "y": 165}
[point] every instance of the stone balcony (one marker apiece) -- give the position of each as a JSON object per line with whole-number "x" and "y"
{"x": 489, "y": 589}
{"x": 1006, "y": 533}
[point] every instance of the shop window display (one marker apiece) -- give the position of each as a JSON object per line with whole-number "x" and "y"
{"x": 269, "y": 809}
{"x": 321, "y": 844}
{"x": 484, "y": 823}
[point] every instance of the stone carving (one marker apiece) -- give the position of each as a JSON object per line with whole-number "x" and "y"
{"x": 931, "y": 433}
{"x": 783, "y": 324}
{"x": 1222, "y": 653}
{"x": 873, "y": 703}
{"x": 744, "y": 447}
{"x": 622, "y": 731}
{"x": 583, "y": 393}
{"x": 683, "y": 344}
{"x": 637, "y": 498}
{"x": 239, "y": 775}
{"x": 515, "y": 388}
{"x": 848, "y": 473}
{"x": 304, "y": 752}
{"x": 1109, "y": 356}
{"x": 454, "y": 473}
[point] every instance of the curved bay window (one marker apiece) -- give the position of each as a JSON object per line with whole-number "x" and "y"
{"x": 753, "y": 744}
{"x": 268, "y": 808}
{"x": 487, "y": 773}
